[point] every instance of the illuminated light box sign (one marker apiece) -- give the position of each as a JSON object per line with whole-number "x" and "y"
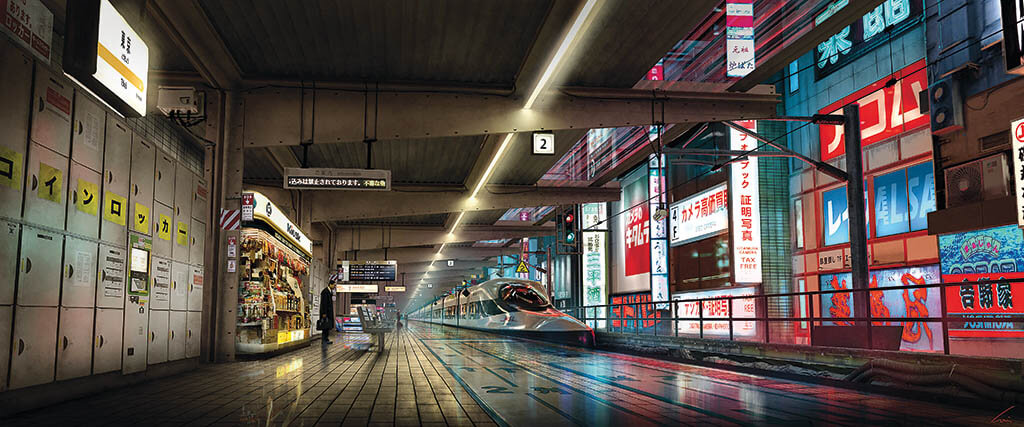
{"x": 746, "y": 208}
{"x": 368, "y": 271}
{"x": 394, "y": 289}
{"x": 891, "y": 302}
{"x": 739, "y": 37}
{"x": 717, "y": 309}
{"x": 267, "y": 211}
{"x": 702, "y": 215}
{"x": 903, "y": 199}
{"x": 885, "y": 111}
{"x": 641, "y": 309}
{"x": 369, "y": 289}
{"x": 595, "y": 273}
{"x": 337, "y": 179}
{"x": 107, "y": 56}
{"x": 882, "y": 24}
{"x": 995, "y": 255}
{"x": 637, "y": 236}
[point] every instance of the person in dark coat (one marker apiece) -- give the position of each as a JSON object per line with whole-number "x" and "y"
{"x": 326, "y": 322}
{"x": 324, "y": 325}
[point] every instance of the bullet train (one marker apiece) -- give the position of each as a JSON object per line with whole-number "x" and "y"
{"x": 510, "y": 307}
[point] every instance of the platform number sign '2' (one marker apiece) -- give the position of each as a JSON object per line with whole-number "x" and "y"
{"x": 1017, "y": 127}
{"x": 544, "y": 143}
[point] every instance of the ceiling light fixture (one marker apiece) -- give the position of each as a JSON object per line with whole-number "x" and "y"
{"x": 490, "y": 167}
{"x": 563, "y": 48}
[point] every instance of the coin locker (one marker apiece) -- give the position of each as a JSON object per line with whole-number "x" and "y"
{"x": 39, "y": 275}
{"x": 161, "y": 289}
{"x": 193, "y": 323}
{"x": 87, "y": 132}
{"x": 179, "y": 285}
{"x": 33, "y": 352}
{"x": 197, "y": 242}
{"x": 83, "y": 207}
{"x": 141, "y": 188}
{"x": 78, "y": 288}
{"x": 51, "y": 114}
{"x": 163, "y": 230}
{"x": 10, "y": 235}
{"x": 6, "y": 319}
{"x": 159, "y": 335}
{"x": 182, "y": 193}
{"x": 107, "y": 340}
{"x": 116, "y": 159}
{"x": 112, "y": 271}
{"x": 46, "y": 187}
{"x": 176, "y": 344}
{"x": 74, "y": 343}
{"x": 200, "y": 198}
{"x": 136, "y": 334}
{"x": 195, "y": 289}
{"x": 163, "y": 186}
{"x": 14, "y": 119}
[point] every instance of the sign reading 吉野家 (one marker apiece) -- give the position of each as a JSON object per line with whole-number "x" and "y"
{"x": 701, "y": 215}
{"x": 746, "y": 208}
{"x": 337, "y": 179}
{"x": 30, "y": 23}
{"x": 1017, "y": 128}
{"x": 995, "y": 257}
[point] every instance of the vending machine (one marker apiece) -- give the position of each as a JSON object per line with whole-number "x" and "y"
{"x": 136, "y": 305}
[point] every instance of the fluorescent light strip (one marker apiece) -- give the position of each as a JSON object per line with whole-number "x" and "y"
{"x": 490, "y": 167}
{"x": 560, "y": 53}
{"x": 456, "y": 223}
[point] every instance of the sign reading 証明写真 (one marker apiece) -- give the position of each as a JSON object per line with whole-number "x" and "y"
{"x": 30, "y": 23}
{"x": 717, "y": 309}
{"x": 996, "y": 256}
{"x": 885, "y": 111}
{"x": 106, "y": 55}
{"x": 337, "y": 179}
{"x": 702, "y": 215}
{"x": 746, "y": 208}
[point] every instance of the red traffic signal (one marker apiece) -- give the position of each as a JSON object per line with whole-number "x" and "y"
{"x": 569, "y": 218}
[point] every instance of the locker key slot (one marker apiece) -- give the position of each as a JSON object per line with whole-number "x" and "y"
{"x": 71, "y": 271}
{"x": 152, "y": 336}
{"x": 172, "y": 334}
{"x": 41, "y": 105}
{"x": 136, "y": 187}
{"x": 64, "y": 346}
{"x": 28, "y": 265}
{"x": 80, "y": 127}
{"x": 35, "y": 182}
{"x": 110, "y": 177}
{"x": 21, "y": 346}
{"x": 74, "y": 196}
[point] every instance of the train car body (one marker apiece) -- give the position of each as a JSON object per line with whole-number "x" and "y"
{"x": 507, "y": 306}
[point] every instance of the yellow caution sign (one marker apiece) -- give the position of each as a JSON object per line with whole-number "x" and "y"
{"x": 115, "y": 208}
{"x": 87, "y": 197}
{"x": 522, "y": 267}
{"x": 10, "y": 168}
{"x": 182, "y": 234}
{"x": 141, "y": 218}
{"x": 163, "y": 228}
{"x": 51, "y": 181}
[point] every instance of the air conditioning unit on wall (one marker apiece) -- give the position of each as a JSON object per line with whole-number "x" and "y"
{"x": 946, "y": 106}
{"x": 983, "y": 179}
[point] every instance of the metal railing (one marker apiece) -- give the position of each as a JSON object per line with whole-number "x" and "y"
{"x": 646, "y": 318}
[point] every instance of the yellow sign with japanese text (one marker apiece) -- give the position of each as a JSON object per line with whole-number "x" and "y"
{"x": 115, "y": 208}
{"x": 87, "y": 197}
{"x": 51, "y": 180}
{"x": 10, "y": 168}
{"x": 141, "y": 218}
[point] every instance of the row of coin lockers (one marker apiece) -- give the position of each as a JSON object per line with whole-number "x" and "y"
{"x": 74, "y": 182}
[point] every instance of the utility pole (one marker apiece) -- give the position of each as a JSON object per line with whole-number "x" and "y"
{"x": 858, "y": 220}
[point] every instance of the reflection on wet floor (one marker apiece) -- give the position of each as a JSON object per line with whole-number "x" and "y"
{"x": 433, "y": 375}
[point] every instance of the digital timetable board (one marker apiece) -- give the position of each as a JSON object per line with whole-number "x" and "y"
{"x": 368, "y": 271}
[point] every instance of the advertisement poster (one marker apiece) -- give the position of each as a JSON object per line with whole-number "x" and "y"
{"x": 641, "y": 310}
{"x": 699, "y": 216}
{"x": 903, "y": 199}
{"x": 924, "y": 302}
{"x": 717, "y": 309}
{"x": 594, "y": 274}
{"x": 636, "y": 237}
{"x": 993, "y": 255}
{"x": 746, "y": 208}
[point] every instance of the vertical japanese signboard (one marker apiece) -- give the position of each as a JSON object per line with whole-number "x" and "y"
{"x": 659, "y": 232}
{"x": 994, "y": 257}
{"x": 1017, "y": 128}
{"x": 637, "y": 231}
{"x": 746, "y": 208}
{"x": 595, "y": 274}
{"x": 739, "y": 37}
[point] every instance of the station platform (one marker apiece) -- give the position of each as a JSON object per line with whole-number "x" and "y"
{"x": 435, "y": 375}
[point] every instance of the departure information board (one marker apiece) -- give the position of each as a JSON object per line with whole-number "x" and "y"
{"x": 368, "y": 271}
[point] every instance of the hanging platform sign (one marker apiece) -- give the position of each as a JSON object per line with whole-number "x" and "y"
{"x": 337, "y": 179}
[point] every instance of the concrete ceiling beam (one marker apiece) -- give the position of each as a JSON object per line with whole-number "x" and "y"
{"x": 190, "y": 29}
{"x": 377, "y": 237}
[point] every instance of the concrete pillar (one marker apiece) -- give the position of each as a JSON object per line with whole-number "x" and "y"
{"x": 227, "y": 179}
{"x": 858, "y": 218}
{"x": 214, "y": 131}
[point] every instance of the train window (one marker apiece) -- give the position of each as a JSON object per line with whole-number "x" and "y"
{"x": 490, "y": 308}
{"x": 523, "y": 297}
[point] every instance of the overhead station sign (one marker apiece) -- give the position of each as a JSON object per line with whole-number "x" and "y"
{"x": 107, "y": 56}
{"x": 363, "y": 288}
{"x": 337, "y": 179}
{"x": 368, "y": 271}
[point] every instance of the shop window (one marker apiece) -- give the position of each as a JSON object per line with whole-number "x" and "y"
{"x": 794, "y": 76}
{"x": 903, "y": 199}
{"x": 798, "y": 220}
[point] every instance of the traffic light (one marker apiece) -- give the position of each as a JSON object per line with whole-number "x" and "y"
{"x": 567, "y": 228}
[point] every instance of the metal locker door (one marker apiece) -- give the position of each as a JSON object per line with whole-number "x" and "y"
{"x": 34, "y": 351}
{"x": 107, "y": 340}
{"x": 195, "y": 289}
{"x": 163, "y": 185}
{"x": 79, "y": 283}
{"x": 136, "y": 334}
{"x": 161, "y": 296}
{"x": 200, "y": 197}
{"x": 197, "y": 242}
{"x": 10, "y": 235}
{"x": 87, "y": 132}
{"x": 116, "y": 159}
{"x": 46, "y": 187}
{"x": 112, "y": 272}
{"x": 74, "y": 343}
{"x": 193, "y": 324}
{"x": 141, "y": 188}
{"x": 179, "y": 286}
{"x": 163, "y": 230}
{"x": 51, "y": 111}
{"x": 84, "y": 201}
{"x": 159, "y": 335}
{"x": 6, "y": 318}
{"x": 182, "y": 213}
{"x": 14, "y": 116}
{"x": 176, "y": 344}
{"x": 40, "y": 270}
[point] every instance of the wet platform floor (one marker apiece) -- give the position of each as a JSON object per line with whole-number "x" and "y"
{"x": 433, "y": 375}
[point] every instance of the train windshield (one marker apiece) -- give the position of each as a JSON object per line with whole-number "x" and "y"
{"x": 523, "y": 297}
